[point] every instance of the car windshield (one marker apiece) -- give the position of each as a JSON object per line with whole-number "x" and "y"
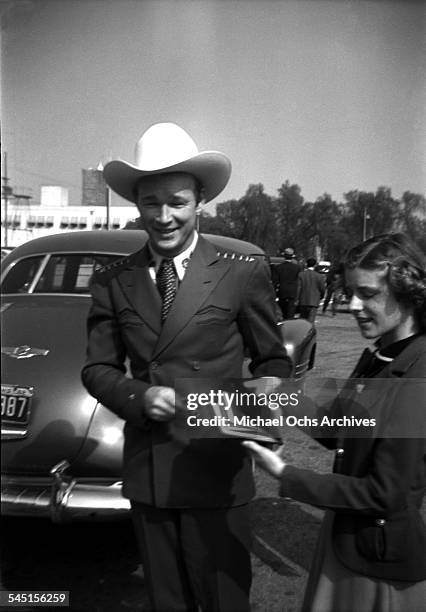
{"x": 59, "y": 273}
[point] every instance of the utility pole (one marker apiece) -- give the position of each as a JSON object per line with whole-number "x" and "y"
{"x": 108, "y": 205}
{"x": 6, "y": 193}
{"x": 364, "y": 224}
{"x": 100, "y": 168}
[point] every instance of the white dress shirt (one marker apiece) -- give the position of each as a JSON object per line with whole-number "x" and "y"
{"x": 181, "y": 261}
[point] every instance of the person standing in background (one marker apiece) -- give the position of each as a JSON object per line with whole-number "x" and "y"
{"x": 287, "y": 278}
{"x": 312, "y": 289}
{"x": 334, "y": 285}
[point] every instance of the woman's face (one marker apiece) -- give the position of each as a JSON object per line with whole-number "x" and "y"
{"x": 375, "y": 308}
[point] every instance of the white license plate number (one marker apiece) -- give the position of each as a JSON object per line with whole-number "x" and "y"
{"x": 16, "y": 404}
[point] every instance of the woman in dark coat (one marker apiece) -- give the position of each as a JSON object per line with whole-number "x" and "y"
{"x": 371, "y": 553}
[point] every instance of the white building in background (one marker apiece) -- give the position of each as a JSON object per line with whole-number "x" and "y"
{"x": 53, "y": 195}
{"x": 27, "y": 221}
{"x": 22, "y": 220}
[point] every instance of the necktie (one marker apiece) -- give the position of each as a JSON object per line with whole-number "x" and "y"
{"x": 167, "y": 285}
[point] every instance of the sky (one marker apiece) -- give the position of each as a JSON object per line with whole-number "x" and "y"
{"x": 330, "y": 95}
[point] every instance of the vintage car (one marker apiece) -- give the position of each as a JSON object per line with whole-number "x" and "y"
{"x": 61, "y": 450}
{"x": 323, "y": 267}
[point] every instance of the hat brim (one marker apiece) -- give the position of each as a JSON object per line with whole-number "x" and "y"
{"x": 211, "y": 168}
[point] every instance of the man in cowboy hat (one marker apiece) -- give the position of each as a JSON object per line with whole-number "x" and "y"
{"x": 178, "y": 309}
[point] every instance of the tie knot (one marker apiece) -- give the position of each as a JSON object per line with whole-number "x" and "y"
{"x": 167, "y": 262}
{"x": 166, "y": 271}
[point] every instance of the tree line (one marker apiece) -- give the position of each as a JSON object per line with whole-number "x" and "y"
{"x": 324, "y": 228}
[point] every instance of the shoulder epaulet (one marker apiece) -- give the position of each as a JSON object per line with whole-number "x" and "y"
{"x": 115, "y": 265}
{"x": 235, "y": 256}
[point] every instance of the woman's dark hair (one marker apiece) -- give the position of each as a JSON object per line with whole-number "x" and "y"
{"x": 406, "y": 268}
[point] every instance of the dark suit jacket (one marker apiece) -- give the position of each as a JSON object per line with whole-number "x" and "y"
{"x": 287, "y": 277}
{"x": 378, "y": 481}
{"x": 312, "y": 288}
{"x": 224, "y": 305}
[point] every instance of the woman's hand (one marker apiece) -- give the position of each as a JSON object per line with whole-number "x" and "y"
{"x": 268, "y": 460}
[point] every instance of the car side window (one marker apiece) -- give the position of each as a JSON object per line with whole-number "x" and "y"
{"x": 70, "y": 273}
{"x": 63, "y": 273}
{"x": 21, "y": 275}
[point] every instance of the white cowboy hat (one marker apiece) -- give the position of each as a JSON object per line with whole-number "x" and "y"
{"x": 166, "y": 147}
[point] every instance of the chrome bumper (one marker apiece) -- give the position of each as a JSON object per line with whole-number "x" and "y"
{"x": 62, "y": 498}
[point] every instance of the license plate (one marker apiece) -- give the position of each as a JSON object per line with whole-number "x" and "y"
{"x": 16, "y": 404}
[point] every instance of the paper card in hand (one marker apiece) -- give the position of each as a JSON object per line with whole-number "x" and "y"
{"x": 251, "y": 417}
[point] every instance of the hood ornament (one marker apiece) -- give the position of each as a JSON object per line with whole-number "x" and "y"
{"x": 23, "y": 352}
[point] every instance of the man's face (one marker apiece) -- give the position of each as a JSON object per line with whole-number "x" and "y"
{"x": 168, "y": 207}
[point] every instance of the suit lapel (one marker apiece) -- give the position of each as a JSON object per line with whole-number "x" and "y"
{"x": 201, "y": 278}
{"x": 140, "y": 290}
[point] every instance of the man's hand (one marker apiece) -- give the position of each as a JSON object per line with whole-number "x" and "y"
{"x": 160, "y": 403}
{"x": 268, "y": 460}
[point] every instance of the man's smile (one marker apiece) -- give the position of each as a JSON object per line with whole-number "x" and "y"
{"x": 165, "y": 231}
